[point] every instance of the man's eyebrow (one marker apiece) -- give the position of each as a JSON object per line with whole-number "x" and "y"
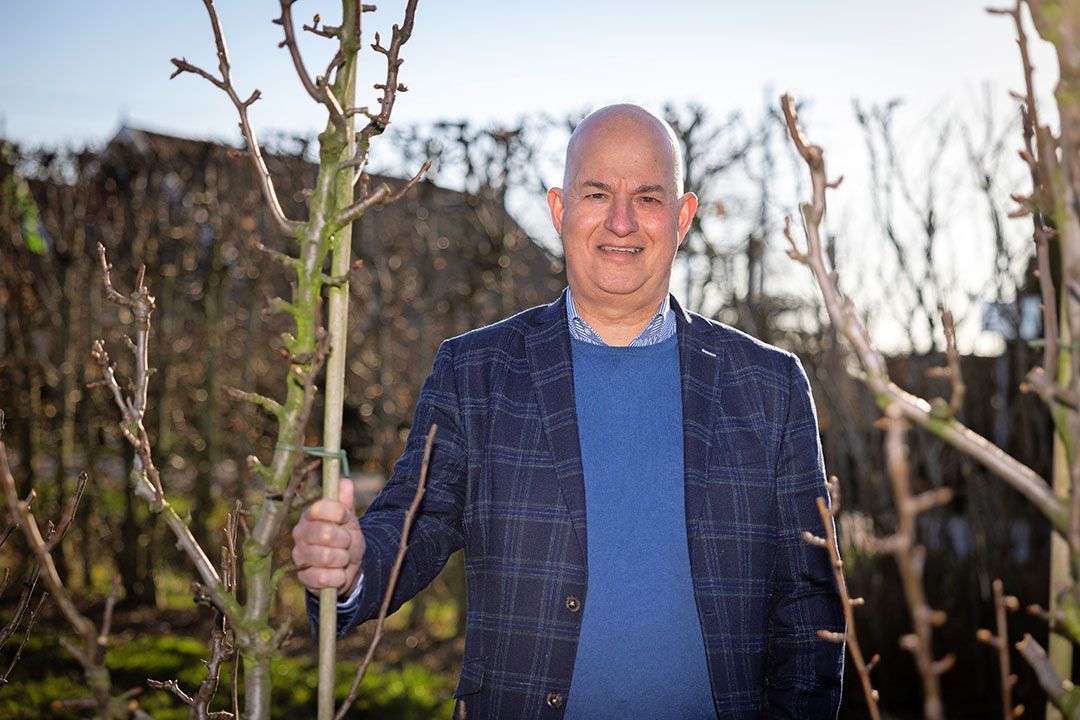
{"x": 640, "y": 189}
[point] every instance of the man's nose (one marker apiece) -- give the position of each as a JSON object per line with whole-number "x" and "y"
{"x": 620, "y": 218}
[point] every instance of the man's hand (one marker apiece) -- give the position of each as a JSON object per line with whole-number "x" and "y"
{"x": 328, "y": 545}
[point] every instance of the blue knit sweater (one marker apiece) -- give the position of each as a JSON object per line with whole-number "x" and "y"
{"x": 641, "y": 652}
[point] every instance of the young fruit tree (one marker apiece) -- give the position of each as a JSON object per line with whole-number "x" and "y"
{"x": 1053, "y": 204}
{"x": 315, "y": 253}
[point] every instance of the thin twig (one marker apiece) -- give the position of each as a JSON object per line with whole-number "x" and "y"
{"x": 220, "y": 651}
{"x": 34, "y": 614}
{"x": 273, "y": 407}
{"x": 232, "y": 580}
{"x": 330, "y": 32}
{"x": 910, "y": 559}
{"x": 1016, "y": 474}
{"x": 225, "y": 84}
{"x": 46, "y": 565}
{"x": 381, "y": 196}
{"x": 171, "y": 686}
{"x": 392, "y": 582}
{"x": 320, "y": 92}
{"x": 1000, "y": 641}
{"x": 146, "y": 479}
{"x": 1038, "y": 382}
{"x": 378, "y": 122}
{"x": 110, "y": 607}
{"x": 951, "y": 370}
{"x": 69, "y": 514}
{"x": 390, "y": 87}
{"x": 13, "y": 524}
{"x": 1040, "y": 165}
{"x": 21, "y": 606}
{"x": 1062, "y": 693}
{"x": 110, "y": 292}
{"x": 90, "y": 655}
{"x": 849, "y": 636}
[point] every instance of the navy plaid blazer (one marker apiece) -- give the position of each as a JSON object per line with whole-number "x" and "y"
{"x": 505, "y": 483}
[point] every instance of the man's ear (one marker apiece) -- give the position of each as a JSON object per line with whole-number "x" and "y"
{"x": 555, "y": 205}
{"x": 687, "y": 208}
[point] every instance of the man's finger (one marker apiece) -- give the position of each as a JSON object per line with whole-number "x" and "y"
{"x": 321, "y": 533}
{"x": 317, "y": 578}
{"x": 328, "y": 510}
{"x": 346, "y": 495}
{"x": 327, "y": 557}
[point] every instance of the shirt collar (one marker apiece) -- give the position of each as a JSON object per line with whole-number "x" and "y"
{"x": 658, "y": 329}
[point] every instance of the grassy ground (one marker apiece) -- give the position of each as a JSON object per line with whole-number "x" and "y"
{"x": 412, "y": 678}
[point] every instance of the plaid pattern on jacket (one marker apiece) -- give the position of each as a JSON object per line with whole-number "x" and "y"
{"x": 505, "y": 483}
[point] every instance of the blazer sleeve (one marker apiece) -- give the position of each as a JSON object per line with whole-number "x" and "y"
{"x": 437, "y": 527}
{"x": 803, "y": 672}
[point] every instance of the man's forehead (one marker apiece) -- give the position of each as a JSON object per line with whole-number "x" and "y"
{"x": 609, "y": 134}
{"x": 611, "y": 165}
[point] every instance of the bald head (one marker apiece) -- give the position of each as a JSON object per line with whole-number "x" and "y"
{"x": 621, "y": 215}
{"x": 623, "y": 120}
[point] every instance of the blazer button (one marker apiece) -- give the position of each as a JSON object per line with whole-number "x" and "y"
{"x": 573, "y": 604}
{"x": 556, "y": 700}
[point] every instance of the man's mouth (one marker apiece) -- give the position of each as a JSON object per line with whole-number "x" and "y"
{"x": 615, "y": 248}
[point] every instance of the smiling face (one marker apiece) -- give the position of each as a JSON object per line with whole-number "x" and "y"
{"x": 620, "y": 215}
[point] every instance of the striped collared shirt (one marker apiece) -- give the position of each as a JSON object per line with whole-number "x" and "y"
{"x": 659, "y": 329}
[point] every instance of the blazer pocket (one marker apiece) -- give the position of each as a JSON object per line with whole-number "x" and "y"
{"x": 472, "y": 677}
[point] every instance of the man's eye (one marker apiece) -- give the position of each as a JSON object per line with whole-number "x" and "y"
{"x": 596, "y": 196}
{"x": 649, "y": 199}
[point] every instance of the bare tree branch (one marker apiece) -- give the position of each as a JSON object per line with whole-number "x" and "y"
{"x": 225, "y": 84}
{"x": 390, "y": 87}
{"x": 26, "y": 636}
{"x": 1063, "y": 694}
{"x": 20, "y": 510}
{"x": 110, "y": 607}
{"x": 849, "y": 636}
{"x": 1000, "y": 641}
{"x": 1038, "y": 382}
{"x": 91, "y": 654}
{"x": 910, "y": 559}
{"x": 320, "y": 89}
{"x": 273, "y": 407}
{"x": 146, "y": 479}
{"x": 329, "y": 32}
{"x": 21, "y": 606}
{"x": 381, "y": 196}
{"x": 69, "y": 514}
{"x": 916, "y": 409}
{"x": 951, "y": 370}
{"x": 392, "y": 582}
{"x": 1041, "y": 202}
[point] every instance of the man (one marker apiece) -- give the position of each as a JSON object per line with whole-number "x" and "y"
{"x": 630, "y": 483}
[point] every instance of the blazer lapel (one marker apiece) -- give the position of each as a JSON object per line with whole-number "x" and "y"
{"x": 701, "y": 373}
{"x": 548, "y": 349}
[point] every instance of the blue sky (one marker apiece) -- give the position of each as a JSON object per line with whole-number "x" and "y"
{"x": 72, "y": 72}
